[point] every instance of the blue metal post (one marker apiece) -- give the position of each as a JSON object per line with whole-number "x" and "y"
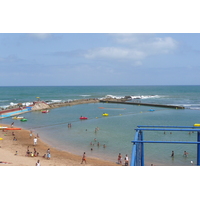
{"x": 198, "y": 148}
{"x": 142, "y": 150}
{"x": 134, "y": 155}
{"x": 139, "y": 150}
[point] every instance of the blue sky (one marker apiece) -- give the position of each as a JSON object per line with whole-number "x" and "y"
{"x": 99, "y": 59}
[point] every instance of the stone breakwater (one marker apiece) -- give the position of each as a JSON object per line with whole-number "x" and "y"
{"x": 41, "y": 105}
{"x": 72, "y": 103}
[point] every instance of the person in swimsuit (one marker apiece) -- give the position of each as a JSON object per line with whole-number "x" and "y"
{"x": 119, "y": 159}
{"x": 83, "y": 158}
{"x": 185, "y": 153}
{"x": 37, "y": 163}
{"x": 126, "y": 160}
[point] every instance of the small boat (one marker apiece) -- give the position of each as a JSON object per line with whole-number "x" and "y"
{"x": 23, "y": 120}
{"x": 45, "y": 111}
{"x": 105, "y": 114}
{"x": 83, "y": 118}
{"x": 17, "y": 117}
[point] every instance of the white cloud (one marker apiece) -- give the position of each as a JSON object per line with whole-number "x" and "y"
{"x": 160, "y": 46}
{"x": 134, "y": 46}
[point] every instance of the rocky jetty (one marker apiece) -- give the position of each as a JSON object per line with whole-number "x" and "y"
{"x": 40, "y": 105}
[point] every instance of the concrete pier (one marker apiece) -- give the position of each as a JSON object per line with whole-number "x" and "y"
{"x": 142, "y": 104}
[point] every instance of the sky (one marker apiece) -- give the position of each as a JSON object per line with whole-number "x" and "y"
{"x": 99, "y": 43}
{"x": 34, "y": 59}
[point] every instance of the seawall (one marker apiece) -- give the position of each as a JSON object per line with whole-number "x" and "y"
{"x": 142, "y": 104}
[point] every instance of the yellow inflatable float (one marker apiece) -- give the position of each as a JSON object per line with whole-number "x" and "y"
{"x": 105, "y": 114}
{"x": 196, "y": 124}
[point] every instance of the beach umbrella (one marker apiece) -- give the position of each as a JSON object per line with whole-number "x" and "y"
{"x": 1, "y": 138}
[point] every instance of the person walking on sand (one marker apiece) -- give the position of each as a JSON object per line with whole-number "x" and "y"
{"x": 37, "y": 163}
{"x": 35, "y": 141}
{"x": 83, "y": 158}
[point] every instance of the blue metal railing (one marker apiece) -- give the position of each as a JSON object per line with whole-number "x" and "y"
{"x": 137, "y": 157}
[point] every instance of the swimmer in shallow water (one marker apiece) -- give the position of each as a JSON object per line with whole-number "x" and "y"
{"x": 185, "y": 153}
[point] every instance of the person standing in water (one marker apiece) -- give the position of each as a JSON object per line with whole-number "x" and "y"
{"x": 185, "y": 153}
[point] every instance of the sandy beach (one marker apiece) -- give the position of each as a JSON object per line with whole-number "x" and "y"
{"x": 8, "y": 148}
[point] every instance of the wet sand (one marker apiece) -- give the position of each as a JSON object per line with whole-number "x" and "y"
{"x": 58, "y": 158}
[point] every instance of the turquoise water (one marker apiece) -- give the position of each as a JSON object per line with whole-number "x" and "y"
{"x": 118, "y": 129}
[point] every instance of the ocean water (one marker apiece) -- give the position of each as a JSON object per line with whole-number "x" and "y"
{"x": 118, "y": 129}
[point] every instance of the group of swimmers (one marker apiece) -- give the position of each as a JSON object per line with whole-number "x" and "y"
{"x": 185, "y": 154}
{"x": 98, "y": 144}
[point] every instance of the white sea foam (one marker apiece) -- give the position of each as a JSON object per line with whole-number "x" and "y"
{"x": 135, "y": 97}
{"x": 56, "y": 101}
{"x": 13, "y": 104}
{"x": 114, "y": 97}
{"x": 27, "y": 103}
{"x": 146, "y": 96}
